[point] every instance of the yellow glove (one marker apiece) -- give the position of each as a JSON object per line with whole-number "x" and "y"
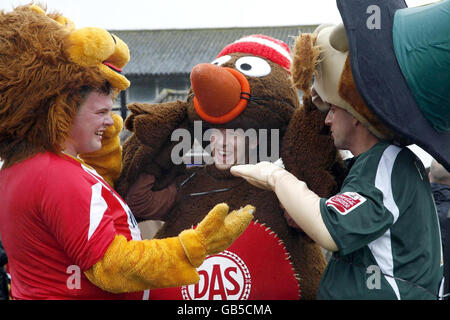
{"x": 215, "y": 233}
{"x": 108, "y": 160}
{"x": 136, "y": 265}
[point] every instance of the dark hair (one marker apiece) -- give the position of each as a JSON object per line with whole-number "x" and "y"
{"x": 105, "y": 89}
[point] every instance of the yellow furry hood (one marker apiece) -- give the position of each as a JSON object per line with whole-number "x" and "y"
{"x": 45, "y": 64}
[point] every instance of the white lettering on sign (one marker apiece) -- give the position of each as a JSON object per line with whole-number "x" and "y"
{"x": 222, "y": 277}
{"x": 346, "y": 202}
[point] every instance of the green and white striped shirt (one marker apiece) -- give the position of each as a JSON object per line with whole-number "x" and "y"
{"x": 385, "y": 225}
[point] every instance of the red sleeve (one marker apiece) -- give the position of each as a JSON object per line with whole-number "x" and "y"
{"x": 75, "y": 210}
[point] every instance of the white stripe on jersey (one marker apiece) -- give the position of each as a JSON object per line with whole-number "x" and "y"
{"x": 98, "y": 208}
{"x": 382, "y": 247}
{"x": 132, "y": 224}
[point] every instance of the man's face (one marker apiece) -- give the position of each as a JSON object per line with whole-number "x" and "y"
{"x": 91, "y": 121}
{"x": 228, "y": 147}
{"x": 341, "y": 124}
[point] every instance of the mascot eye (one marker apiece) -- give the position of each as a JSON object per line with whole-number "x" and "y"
{"x": 221, "y": 60}
{"x": 253, "y": 66}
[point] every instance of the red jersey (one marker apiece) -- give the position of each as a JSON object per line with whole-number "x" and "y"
{"x": 58, "y": 218}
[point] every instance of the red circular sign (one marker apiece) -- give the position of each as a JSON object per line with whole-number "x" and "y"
{"x": 223, "y": 276}
{"x": 255, "y": 267}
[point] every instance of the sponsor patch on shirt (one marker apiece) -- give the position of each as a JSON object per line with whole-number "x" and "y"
{"x": 346, "y": 202}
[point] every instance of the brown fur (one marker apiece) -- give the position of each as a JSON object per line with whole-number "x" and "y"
{"x": 39, "y": 86}
{"x": 308, "y": 141}
{"x": 324, "y": 172}
{"x": 306, "y": 256}
{"x": 306, "y": 148}
{"x": 152, "y": 126}
{"x": 349, "y": 92}
{"x": 305, "y": 59}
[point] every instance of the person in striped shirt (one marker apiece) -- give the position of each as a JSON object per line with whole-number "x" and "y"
{"x": 382, "y": 226}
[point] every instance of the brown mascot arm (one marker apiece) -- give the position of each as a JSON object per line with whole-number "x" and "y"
{"x": 148, "y": 204}
{"x": 148, "y": 149}
{"x": 108, "y": 160}
{"x": 137, "y": 265}
{"x": 308, "y": 151}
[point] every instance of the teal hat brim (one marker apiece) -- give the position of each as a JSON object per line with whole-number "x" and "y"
{"x": 380, "y": 80}
{"x": 421, "y": 38}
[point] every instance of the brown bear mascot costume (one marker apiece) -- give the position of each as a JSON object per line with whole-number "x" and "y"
{"x": 247, "y": 87}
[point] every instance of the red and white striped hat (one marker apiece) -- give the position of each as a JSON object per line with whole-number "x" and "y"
{"x": 261, "y": 45}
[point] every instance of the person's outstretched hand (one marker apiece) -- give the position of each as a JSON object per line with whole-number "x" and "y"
{"x": 260, "y": 175}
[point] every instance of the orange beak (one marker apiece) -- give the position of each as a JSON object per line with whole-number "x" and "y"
{"x": 220, "y": 94}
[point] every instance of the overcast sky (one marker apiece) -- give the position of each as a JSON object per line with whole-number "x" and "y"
{"x": 182, "y": 14}
{"x": 185, "y": 14}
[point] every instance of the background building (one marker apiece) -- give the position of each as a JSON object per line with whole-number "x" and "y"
{"x": 162, "y": 60}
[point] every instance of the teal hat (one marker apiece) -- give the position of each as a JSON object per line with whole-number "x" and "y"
{"x": 400, "y": 59}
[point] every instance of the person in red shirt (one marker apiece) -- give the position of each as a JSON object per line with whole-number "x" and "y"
{"x": 67, "y": 233}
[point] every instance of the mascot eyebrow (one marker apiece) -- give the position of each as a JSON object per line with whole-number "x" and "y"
{"x": 109, "y": 64}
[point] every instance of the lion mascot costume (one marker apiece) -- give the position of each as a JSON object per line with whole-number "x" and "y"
{"x": 59, "y": 217}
